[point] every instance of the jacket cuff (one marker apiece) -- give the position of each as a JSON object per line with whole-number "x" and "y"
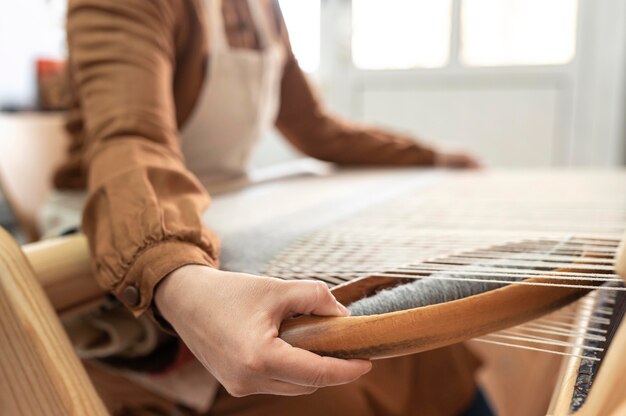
{"x": 136, "y": 290}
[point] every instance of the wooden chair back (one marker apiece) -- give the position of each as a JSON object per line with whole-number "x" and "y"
{"x": 40, "y": 373}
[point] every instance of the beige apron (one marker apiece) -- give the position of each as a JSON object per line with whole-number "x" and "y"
{"x": 238, "y": 103}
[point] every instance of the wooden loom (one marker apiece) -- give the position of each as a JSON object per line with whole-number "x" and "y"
{"x": 62, "y": 266}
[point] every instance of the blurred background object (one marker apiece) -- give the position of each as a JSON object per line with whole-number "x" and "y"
{"x": 33, "y": 92}
{"x": 32, "y": 145}
{"x": 7, "y": 219}
{"x": 30, "y": 30}
{"x": 52, "y": 85}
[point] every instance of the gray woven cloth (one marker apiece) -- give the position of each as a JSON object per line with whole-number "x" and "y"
{"x": 257, "y": 223}
{"x": 260, "y": 222}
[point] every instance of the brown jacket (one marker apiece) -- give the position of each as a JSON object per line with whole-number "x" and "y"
{"x": 136, "y": 68}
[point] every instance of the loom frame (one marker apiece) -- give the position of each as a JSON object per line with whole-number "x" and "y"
{"x": 36, "y": 281}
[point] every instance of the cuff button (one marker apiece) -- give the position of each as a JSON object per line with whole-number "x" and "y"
{"x": 130, "y": 295}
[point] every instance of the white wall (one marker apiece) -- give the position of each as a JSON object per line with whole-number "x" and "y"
{"x": 598, "y": 129}
{"x": 507, "y": 126}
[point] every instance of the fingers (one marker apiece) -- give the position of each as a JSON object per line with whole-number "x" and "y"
{"x": 456, "y": 160}
{"x": 282, "y": 388}
{"x": 467, "y": 161}
{"x": 276, "y": 387}
{"x": 475, "y": 164}
{"x": 311, "y": 297}
{"x": 294, "y": 365}
{"x": 459, "y": 161}
{"x": 285, "y": 370}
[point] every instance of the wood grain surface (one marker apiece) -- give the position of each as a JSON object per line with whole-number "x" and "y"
{"x": 426, "y": 328}
{"x": 39, "y": 372}
{"x": 63, "y": 269}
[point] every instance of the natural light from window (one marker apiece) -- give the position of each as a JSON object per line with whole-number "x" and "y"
{"x": 518, "y": 32}
{"x": 29, "y": 30}
{"x": 401, "y": 34}
{"x": 303, "y": 23}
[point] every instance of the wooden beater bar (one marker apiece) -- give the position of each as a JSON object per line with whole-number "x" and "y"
{"x": 63, "y": 269}
{"x": 425, "y": 328}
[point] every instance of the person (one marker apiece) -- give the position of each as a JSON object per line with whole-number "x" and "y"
{"x": 169, "y": 98}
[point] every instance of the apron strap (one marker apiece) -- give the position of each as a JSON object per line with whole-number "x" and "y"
{"x": 217, "y": 32}
{"x": 265, "y": 28}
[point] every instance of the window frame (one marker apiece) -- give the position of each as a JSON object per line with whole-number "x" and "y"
{"x": 454, "y": 64}
{"x": 595, "y": 100}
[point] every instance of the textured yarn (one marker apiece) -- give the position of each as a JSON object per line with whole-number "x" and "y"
{"x": 422, "y": 292}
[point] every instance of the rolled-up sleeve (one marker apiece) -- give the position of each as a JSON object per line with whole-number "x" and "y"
{"x": 143, "y": 215}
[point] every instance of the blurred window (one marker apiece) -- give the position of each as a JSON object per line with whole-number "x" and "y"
{"x": 518, "y": 32}
{"x": 404, "y": 34}
{"x": 29, "y": 30}
{"x": 302, "y": 18}
{"x": 401, "y": 34}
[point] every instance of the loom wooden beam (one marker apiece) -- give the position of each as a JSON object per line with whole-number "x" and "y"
{"x": 608, "y": 395}
{"x": 39, "y": 372}
{"x": 564, "y": 389}
{"x": 63, "y": 269}
{"x": 425, "y": 328}
{"x": 620, "y": 260}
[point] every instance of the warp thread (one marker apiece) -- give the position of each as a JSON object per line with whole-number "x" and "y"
{"x": 431, "y": 290}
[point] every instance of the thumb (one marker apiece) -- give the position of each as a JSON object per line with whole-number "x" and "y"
{"x": 312, "y": 298}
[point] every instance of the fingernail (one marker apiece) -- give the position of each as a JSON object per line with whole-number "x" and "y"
{"x": 344, "y": 311}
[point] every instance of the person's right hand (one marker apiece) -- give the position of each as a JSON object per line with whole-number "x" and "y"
{"x": 230, "y": 321}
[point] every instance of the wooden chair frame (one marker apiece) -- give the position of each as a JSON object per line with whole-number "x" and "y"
{"x": 40, "y": 373}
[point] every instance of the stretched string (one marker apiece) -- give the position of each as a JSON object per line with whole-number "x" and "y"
{"x": 513, "y": 345}
{"x": 570, "y": 323}
{"x": 582, "y": 334}
{"x": 519, "y": 273}
{"x": 559, "y": 324}
{"x": 503, "y": 282}
{"x": 512, "y": 335}
{"x": 489, "y": 232}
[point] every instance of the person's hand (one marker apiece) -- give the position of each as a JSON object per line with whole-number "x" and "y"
{"x": 456, "y": 160}
{"x": 230, "y": 321}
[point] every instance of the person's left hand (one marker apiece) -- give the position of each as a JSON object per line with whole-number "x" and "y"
{"x": 457, "y": 160}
